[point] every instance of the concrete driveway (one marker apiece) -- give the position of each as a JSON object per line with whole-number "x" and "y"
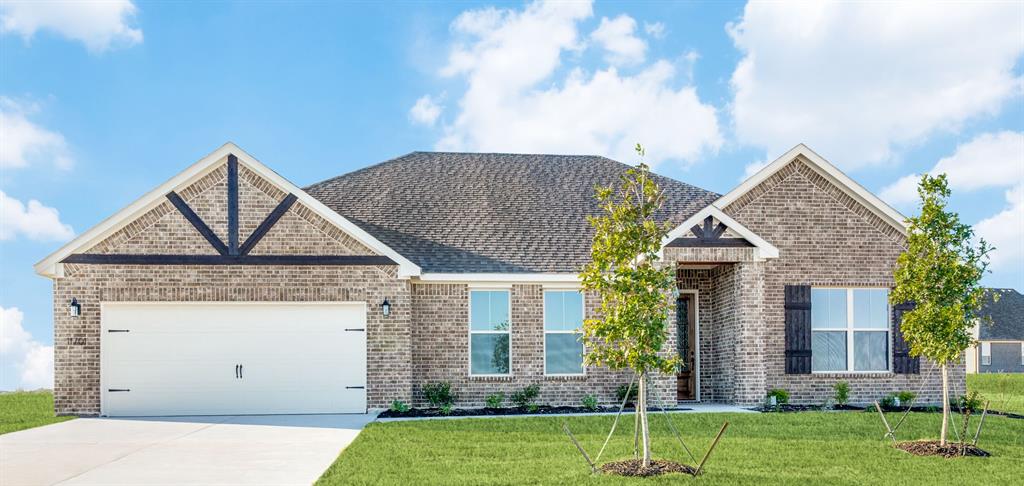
{"x": 282, "y": 449}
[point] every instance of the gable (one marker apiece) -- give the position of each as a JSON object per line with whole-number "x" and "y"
{"x": 798, "y": 196}
{"x": 226, "y": 209}
{"x": 827, "y": 178}
{"x": 713, "y": 228}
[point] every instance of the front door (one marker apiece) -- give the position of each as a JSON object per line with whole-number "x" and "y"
{"x": 686, "y": 327}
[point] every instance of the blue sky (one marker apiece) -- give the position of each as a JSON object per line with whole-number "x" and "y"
{"x": 102, "y": 102}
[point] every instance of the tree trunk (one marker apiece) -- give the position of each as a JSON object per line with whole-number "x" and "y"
{"x": 945, "y": 405}
{"x": 644, "y": 430}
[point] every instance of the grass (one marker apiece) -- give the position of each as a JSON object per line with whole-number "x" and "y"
{"x": 24, "y": 410}
{"x": 1005, "y": 390}
{"x": 787, "y": 448}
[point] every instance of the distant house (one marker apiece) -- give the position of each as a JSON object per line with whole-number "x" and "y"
{"x": 1001, "y": 336}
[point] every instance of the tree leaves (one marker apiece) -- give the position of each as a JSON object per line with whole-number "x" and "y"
{"x": 630, "y": 329}
{"x": 941, "y": 273}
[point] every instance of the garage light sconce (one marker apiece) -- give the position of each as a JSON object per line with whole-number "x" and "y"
{"x": 74, "y": 308}
{"x": 386, "y": 307}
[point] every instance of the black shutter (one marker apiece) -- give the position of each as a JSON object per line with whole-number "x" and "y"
{"x": 902, "y": 362}
{"x": 798, "y": 329}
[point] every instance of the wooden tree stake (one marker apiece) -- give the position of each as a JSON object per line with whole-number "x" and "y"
{"x": 980, "y": 423}
{"x": 886, "y": 422}
{"x": 593, "y": 468}
{"x": 700, "y": 467}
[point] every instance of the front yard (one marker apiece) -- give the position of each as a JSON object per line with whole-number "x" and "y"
{"x": 24, "y": 410}
{"x": 1005, "y": 390}
{"x": 806, "y": 447}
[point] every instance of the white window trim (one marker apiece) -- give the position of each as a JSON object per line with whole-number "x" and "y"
{"x": 986, "y": 353}
{"x": 544, "y": 313}
{"x": 849, "y": 330}
{"x": 1022, "y": 353}
{"x": 469, "y": 324}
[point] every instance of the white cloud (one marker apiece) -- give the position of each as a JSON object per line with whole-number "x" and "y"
{"x": 1005, "y": 231}
{"x": 21, "y": 355}
{"x": 988, "y": 160}
{"x": 425, "y": 111}
{"x": 655, "y": 29}
{"x": 34, "y": 221}
{"x": 100, "y": 25}
{"x": 617, "y": 37}
{"x": 22, "y": 141}
{"x": 514, "y": 102}
{"x": 859, "y": 80}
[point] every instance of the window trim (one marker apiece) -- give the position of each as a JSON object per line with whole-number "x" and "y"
{"x": 982, "y": 355}
{"x": 850, "y": 330}
{"x": 469, "y": 326}
{"x": 544, "y": 330}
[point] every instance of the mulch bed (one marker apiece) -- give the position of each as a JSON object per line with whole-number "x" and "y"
{"x": 476, "y": 412}
{"x": 932, "y": 448}
{"x": 634, "y": 467}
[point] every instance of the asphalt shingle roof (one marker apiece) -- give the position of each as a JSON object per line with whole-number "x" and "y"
{"x": 1007, "y": 315}
{"x": 488, "y": 213}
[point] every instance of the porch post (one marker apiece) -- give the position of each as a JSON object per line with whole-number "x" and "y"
{"x": 750, "y": 343}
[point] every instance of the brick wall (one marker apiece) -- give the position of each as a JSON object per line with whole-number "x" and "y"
{"x": 825, "y": 238}
{"x": 163, "y": 230}
{"x": 440, "y": 349}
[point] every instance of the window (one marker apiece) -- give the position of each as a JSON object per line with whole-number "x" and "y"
{"x": 986, "y": 354}
{"x": 563, "y": 341}
{"x": 489, "y": 332}
{"x": 849, "y": 330}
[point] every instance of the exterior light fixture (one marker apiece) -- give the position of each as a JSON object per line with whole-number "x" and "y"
{"x": 386, "y": 307}
{"x": 74, "y": 308}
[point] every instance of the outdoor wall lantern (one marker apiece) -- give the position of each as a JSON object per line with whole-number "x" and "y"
{"x": 74, "y": 308}
{"x": 386, "y": 307}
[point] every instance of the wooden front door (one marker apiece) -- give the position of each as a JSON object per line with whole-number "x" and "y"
{"x": 686, "y": 327}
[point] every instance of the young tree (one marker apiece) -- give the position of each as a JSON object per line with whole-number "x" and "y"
{"x": 623, "y": 271}
{"x": 941, "y": 273}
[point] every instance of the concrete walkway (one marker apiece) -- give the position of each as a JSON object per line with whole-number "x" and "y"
{"x": 235, "y": 450}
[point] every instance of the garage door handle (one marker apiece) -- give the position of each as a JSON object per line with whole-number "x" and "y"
{"x": 354, "y": 387}
{"x": 236, "y": 371}
{"x": 240, "y": 368}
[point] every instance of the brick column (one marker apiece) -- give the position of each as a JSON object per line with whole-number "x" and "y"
{"x": 751, "y": 330}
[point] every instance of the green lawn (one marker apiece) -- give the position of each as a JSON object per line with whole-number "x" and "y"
{"x": 24, "y": 410}
{"x": 807, "y": 447}
{"x": 1005, "y": 390}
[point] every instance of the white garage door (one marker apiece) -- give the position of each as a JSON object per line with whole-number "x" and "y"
{"x": 226, "y": 358}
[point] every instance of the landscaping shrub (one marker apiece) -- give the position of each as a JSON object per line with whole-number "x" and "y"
{"x": 842, "y": 394}
{"x": 445, "y": 409}
{"x": 888, "y": 401}
{"x": 495, "y": 400}
{"x": 620, "y": 392}
{"x": 399, "y": 406}
{"x": 781, "y": 396}
{"x": 525, "y": 398}
{"x": 439, "y": 394}
{"x": 906, "y": 397}
{"x": 589, "y": 403}
{"x": 969, "y": 403}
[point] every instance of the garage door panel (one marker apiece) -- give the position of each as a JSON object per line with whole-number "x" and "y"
{"x": 181, "y": 358}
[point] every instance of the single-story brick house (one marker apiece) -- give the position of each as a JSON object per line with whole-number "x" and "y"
{"x": 229, "y": 290}
{"x": 1000, "y": 334}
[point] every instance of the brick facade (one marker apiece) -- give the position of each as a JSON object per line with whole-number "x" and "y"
{"x": 824, "y": 237}
{"x": 440, "y": 349}
{"x": 163, "y": 230}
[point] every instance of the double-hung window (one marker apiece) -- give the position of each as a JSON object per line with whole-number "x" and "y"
{"x": 986, "y": 354}
{"x": 563, "y": 340}
{"x": 489, "y": 335}
{"x": 849, "y": 330}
